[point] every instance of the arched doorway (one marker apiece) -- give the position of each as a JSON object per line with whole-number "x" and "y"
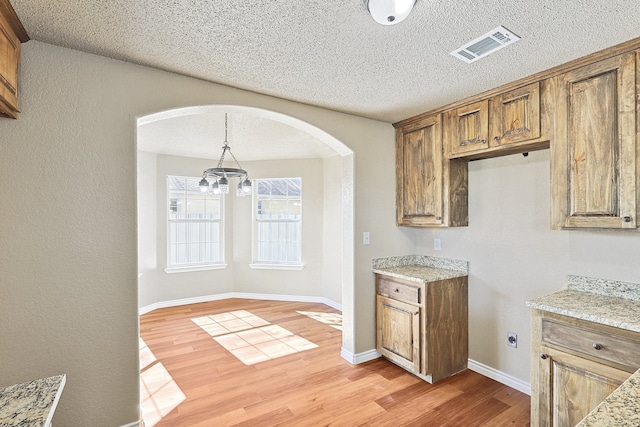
{"x": 167, "y": 134}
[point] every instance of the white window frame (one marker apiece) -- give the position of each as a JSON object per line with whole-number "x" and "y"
{"x": 270, "y": 264}
{"x": 182, "y": 268}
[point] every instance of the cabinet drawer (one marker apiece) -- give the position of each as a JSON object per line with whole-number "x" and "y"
{"x": 603, "y": 346}
{"x": 399, "y": 291}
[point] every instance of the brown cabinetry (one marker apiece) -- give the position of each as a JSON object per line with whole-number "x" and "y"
{"x": 515, "y": 116}
{"x": 12, "y": 33}
{"x": 429, "y": 190}
{"x": 423, "y": 327}
{"x": 576, "y": 364}
{"x": 468, "y": 128}
{"x": 508, "y": 118}
{"x": 594, "y": 154}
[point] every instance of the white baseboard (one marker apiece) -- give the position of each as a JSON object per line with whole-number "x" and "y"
{"x": 501, "y": 377}
{"x": 355, "y": 359}
{"x": 478, "y": 367}
{"x": 242, "y": 295}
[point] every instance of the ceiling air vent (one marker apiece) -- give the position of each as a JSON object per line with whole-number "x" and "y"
{"x": 486, "y": 44}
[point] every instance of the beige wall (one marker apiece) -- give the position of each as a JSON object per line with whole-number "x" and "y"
{"x": 69, "y": 272}
{"x": 514, "y": 256}
{"x": 147, "y": 228}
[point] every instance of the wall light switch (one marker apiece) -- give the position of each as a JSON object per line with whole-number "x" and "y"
{"x": 366, "y": 238}
{"x": 436, "y": 245}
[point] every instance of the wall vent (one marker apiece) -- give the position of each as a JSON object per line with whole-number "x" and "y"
{"x": 486, "y": 44}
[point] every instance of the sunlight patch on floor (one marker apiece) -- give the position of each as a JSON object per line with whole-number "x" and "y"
{"x": 250, "y": 338}
{"x": 159, "y": 393}
{"x": 332, "y": 319}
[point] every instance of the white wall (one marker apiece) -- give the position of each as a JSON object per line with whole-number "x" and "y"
{"x": 514, "y": 256}
{"x": 69, "y": 271}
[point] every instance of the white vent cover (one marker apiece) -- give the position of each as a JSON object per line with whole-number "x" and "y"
{"x": 486, "y": 44}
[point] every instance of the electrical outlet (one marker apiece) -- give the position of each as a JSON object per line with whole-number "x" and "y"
{"x": 437, "y": 245}
{"x": 512, "y": 339}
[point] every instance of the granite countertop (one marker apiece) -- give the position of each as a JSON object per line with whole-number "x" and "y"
{"x": 32, "y": 403}
{"x": 420, "y": 268}
{"x": 621, "y": 408}
{"x": 609, "y": 303}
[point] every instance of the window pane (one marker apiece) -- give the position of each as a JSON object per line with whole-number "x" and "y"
{"x": 278, "y": 220}
{"x": 195, "y": 231}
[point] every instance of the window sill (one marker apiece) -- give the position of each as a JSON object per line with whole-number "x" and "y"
{"x": 277, "y": 266}
{"x": 171, "y": 270}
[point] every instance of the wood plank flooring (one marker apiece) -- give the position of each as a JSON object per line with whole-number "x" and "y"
{"x": 189, "y": 379}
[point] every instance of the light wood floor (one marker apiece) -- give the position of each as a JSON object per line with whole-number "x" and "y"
{"x": 293, "y": 375}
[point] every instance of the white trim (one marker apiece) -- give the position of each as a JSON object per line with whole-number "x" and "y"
{"x": 358, "y": 358}
{"x": 478, "y": 367}
{"x": 172, "y": 270}
{"x": 276, "y": 266}
{"x": 242, "y": 295}
{"x": 501, "y": 377}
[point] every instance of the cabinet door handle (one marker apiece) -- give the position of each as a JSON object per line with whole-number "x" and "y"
{"x": 597, "y": 346}
{"x": 627, "y": 218}
{"x": 543, "y": 356}
{"x": 396, "y": 290}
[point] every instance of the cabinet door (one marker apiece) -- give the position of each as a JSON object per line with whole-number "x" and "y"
{"x": 515, "y": 115}
{"x": 419, "y": 174}
{"x": 469, "y": 128}
{"x": 398, "y": 332}
{"x": 594, "y": 153}
{"x": 10, "y": 58}
{"x": 570, "y": 387}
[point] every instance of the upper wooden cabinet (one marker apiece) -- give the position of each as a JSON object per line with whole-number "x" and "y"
{"x": 587, "y": 111}
{"x": 594, "y": 153}
{"x": 419, "y": 174}
{"x": 12, "y": 33}
{"x": 468, "y": 128}
{"x": 515, "y": 116}
{"x": 429, "y": 191}
{"x": 508, "y": 118}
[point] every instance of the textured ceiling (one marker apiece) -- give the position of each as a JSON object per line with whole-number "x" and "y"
{"x": 331, "y": 53}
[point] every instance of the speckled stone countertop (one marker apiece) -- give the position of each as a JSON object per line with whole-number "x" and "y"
{"x": 420, "y": 268}
{"x": 621, "y": 408}
{"x": 32, "y": 403}
{"x": 610, "y": 303}
{"x": 607, "y": 302}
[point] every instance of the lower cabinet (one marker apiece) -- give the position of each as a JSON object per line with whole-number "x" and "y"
{"x": 423, "y": 326}
{"x": 576, "y": 364}
{"x": 398, "y": 332}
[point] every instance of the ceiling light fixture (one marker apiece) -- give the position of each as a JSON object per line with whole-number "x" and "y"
{"x": 222, "y": 174}
{"x": 389, "y": 12}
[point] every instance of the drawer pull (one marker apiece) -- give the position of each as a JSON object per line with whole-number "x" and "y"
{"x": 543, "y": 356}
{"x": 597, "y": 346}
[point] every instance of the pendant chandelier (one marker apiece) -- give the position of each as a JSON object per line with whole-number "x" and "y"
{"x": 221, "y": 175}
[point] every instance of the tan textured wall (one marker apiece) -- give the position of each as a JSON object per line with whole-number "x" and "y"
{"x": 68, "y": 274}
